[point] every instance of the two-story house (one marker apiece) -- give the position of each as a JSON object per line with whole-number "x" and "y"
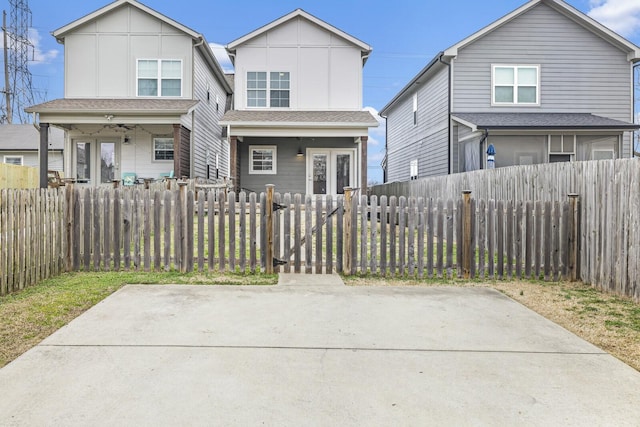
{"x": 298, "y": 120}
{"x": 143, "y": 95}
{"x": 545, "y": 83}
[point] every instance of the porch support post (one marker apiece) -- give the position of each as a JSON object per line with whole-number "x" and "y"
{"x": 363, "y": 165}
{"x": 176, "y": 151}
{"x": 44, "y": 154}
{"x": 234, "y": 163}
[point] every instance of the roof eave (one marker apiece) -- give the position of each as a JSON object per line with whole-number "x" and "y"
{"x": 572, "y": 128}
{"x": 256, "y": 124}
{"x": 61, "y": 32}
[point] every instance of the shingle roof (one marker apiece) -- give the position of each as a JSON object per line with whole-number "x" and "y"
{"x": 26, "y": 137}
{"x": 283, "y": 118}
{"x": 541, "y": 121}
{"x": 106, "y": 106}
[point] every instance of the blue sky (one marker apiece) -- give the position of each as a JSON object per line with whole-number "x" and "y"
{"x": 404, "y": 34}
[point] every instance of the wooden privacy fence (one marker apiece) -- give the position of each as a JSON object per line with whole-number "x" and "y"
{"x": 32, "y": 237}
{"x": 18, "y": 177}
{"x": 144, "y": 230}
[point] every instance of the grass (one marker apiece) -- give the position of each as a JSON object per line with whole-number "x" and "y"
{"x": 29, "y": 316}
{"x": 611, "y": 323}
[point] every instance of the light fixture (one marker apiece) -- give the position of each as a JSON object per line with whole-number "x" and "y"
{"x": 300, "y": 153}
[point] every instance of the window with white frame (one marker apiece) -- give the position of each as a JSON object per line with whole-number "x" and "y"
{"x": 413, "y": 169}
{"x": 515, "y": 85}
{"x": 562, "y": 148}
{"x": 14, "y": 160}
{"x": 415, "y": 109}
{"x": 274, "y": 92}
{"x": 163, "y": 149}
{"x": 603, "y": 154}
{"x": 160, "y": 77}
{"x": 262, "y": 159}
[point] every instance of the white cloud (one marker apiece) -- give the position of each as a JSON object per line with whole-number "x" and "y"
{"x": 622, "y": 16}
{"x": 221, "y": 55}
{"x": 40, "y": 56}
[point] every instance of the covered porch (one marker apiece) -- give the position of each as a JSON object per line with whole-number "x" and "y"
{"x": 109, "y": 140}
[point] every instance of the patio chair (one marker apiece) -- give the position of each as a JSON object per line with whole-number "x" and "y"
{"x": 129, "y": 179}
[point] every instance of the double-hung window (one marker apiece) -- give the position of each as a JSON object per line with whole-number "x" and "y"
{"x": 162, "y": 149}
{"x": 515, "y": 85}
{"x": 562, "y": 148}
{"x": 262, "y": 159}
{"x": 273, "y": 92}
{"x": 160, "y": 77}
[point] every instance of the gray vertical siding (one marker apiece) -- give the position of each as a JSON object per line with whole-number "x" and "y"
{"x": 579, "y": 71}
{"x": 428, "y": 140}
{"x": 206, "y": 130}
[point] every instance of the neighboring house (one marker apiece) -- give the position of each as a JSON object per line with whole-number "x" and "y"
{"x": 19, "y": 145}
{"x": 143, "y": 95}
{"x": 544, "y": 83}
{"x": 298, "y": 120}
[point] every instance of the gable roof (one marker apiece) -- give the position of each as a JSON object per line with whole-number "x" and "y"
{"x": 296, "y": 118}
{"x": 201, "y": 42}
{"x": 60, "y": 33}
{"x": 633, "y": 51}
{"x": 25, "y": 137}
{"x": 365, "y": 48}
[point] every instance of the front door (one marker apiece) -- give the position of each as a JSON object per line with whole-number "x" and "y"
{"x": 329, "y": 171}
{"x": 95, "y": 162}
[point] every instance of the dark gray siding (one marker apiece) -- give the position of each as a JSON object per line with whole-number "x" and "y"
{"x": 428, "y": 140}
{"x": 206, "y": 130}
{"x": 291, "y": 169}
{"x": 579, "y": 71}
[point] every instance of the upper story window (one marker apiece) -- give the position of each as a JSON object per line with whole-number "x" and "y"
{"x": 515, "y": 85}
{"x": 273, "y": 92}
{"x": 160, "y": 77}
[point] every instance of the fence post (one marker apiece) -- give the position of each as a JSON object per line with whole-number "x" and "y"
{"x": 466, "y": 234}
{"x": 574, "y": 233}
{"x": 347, "y": 258}
{"x": 269, "y": 212}
{"x": 68, "y": 194}
{"x": 182, "y": 225}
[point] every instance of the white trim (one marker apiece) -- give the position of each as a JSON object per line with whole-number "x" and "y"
{"x": 153, "y": 149}
{"x": 267, "y": 90}
{"x": 299, "y": 13}
{"x": 10, "y": 156}
{"x": 332, "y": 154}
{"x": 413, "y": 169}
{"x": 516, "y": 68}
{"x": 159, "y": 77}
{"x": 274, "y": 161}
{"x": 415, "y": 109}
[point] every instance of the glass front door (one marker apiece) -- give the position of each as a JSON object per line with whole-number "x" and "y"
{"x": 83, "y": 162}
{"x": 329, "y": 171}
{"x": 107, "y": 162}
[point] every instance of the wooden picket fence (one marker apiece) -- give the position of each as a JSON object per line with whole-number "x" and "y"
{"x": 105, "y": 229}
{"x": 32, "y": 237}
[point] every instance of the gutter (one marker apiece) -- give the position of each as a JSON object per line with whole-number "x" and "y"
{"x": 450, "y": 148}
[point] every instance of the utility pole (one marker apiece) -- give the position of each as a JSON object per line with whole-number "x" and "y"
{"x": 7, "y": 90}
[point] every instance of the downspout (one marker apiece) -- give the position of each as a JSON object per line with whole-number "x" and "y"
{"x": 449, "y": 154}
{"x": 635, "y": 69}
{"x": 482, "y": 150}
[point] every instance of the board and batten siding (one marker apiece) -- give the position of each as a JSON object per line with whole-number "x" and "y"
{"x": 428, "y": 140}
{"x": 579, "y": 71}
{"x": 207, "y": 132}
{"x": 101, "y": 56}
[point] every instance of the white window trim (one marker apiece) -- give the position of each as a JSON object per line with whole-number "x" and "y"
{"x": 603, "y": 150}
{"x": 415, "y": 109}
{"x": 159, "y": 77}
{"x": 268, "y": 91}
{"x": 13, "y": 157}
{"x": 562, "y": 140}
{"x": 153, "y": 149}
{"x": 413, "y": 169}
{"x": 515, "y": 102}
{"x": 275, "y": 159}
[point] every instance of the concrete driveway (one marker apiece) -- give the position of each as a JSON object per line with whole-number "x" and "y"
{"x": 312, "y": 351}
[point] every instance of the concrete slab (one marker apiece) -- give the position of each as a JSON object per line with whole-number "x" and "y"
{"x": 319, "y": 355}
{"x": 292, "y": 279}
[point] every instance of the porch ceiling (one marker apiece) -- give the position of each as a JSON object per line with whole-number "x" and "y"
{"x": 102, "y": 110}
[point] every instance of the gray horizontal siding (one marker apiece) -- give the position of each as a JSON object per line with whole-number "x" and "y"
{"x": 291, "y": 169}
{"x": 428, "y": 140}
{"x": 207, "y": 131}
